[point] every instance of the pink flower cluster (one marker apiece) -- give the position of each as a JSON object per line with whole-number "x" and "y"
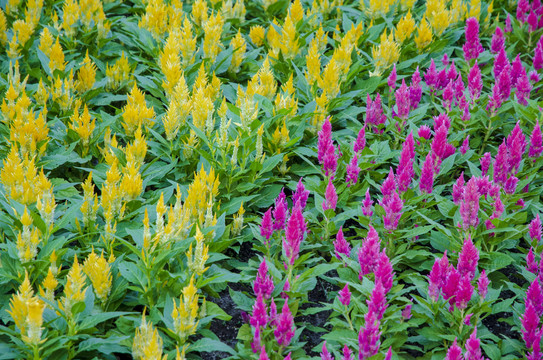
{"x": 473, "y": 349}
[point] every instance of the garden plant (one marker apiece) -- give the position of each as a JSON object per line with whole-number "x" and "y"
{"x": 271, "y": 179}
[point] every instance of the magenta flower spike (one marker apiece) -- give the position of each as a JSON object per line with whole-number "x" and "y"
{"x": 288, "y": 357}
{"x": 294, "y": 234}
{"x": 431, "y": 76}
{"x": 437, "y": 276}
{"x": 325, "y": 140}
{"x": 452, "y": 73}
{"x": 445, "y": 59}
{"x": 532, "y": 21}
{"x": 256, "y": 344}
{"x": 475, "y": 82}
{"x": 260, "y": 315}
{"x": 405, "y": 167}
{"x": 273, "y": 314}
{"x": 280, "y": 211}
{"x": 516, "y": 69}
{"x": 468, "y": 258}
{"x": 498, "y": 41}
{"x": 538, "y": 57}
{"x": 464, "y": 293}
{"x": 299, "y": 198}
{"x": 360, "y": 142}
{"x": 469, "y": 207}
{"x": 473, "y": 347}
{"x": 352, "y": 171}
{"x": 406, "y": 312}
{"x": 536, "y": 354}
{"x": 263, "y": 355}
{"x": 524, "y": 87}
{"x": 510, "y": 185}
{"x": 403, "y": 101}
{"x": 448, "y": 95}
{"x": 482, "y": 285}
{"x": 377, "y": 303}
{"x": 384, "y": 272}
{"x": 366, "y": 205}
{"x": 458, "y": 189}
{"x": 424, "y": 132}
{"x": 451, "y": 284}
{"x": 389, "y": 185}
{"x": 500, "y": 62}
{"x": 266, "y": 225}
{"x": 454, "y": 352}
{"x": 516, "y": 146}
{"x": 344, "y": 296}
{"x": 368, "y": 337}
{"x": 330, "y": 199}
{"x": 284, "y": 331}
{"x": 508, "y": 28}
{"x": 530, "y": 325}
{"x": 426, "y": 182}
{"x": 465, "y": 146}
{"x": 485, "y": 161}
{"x": 500, "y": 164}
{"x": 536, "y": 142}
{"x": 341, "y": 246}
{"x": 392, "y": 79}
{"x": 347, "y": 353}
{"x": 329, "y": 164}
{"x": 523, "y": 6}
{"x": 263, "y": 283}
{"x": 531, "y": 263}
{"x": 534, "y": 295}
{"x": 369, "y": 252}
{"x": 442, "y": 79}
{"x": 504, "y": 83}
{"x": 325, "y": 354}
{"x": 472, "y": 47}
{"x": 393, "y": 211}
{"x": 415, "y": 90}
{"x": 442, "y": 120}
{"x": 388, "y": 356}
{"x": 374, "y": 112}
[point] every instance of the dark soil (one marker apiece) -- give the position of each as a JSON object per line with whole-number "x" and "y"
{"x": 500, "y": 328}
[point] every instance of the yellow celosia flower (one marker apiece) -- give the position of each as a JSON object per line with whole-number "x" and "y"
{"x": 281, "y": 136}
{"x": 199, "y": 12}
{"x": 330, "y": 80}
{"x": 239, "y": 46}
{"x": 212, "y": 36}
{"x": 22, "y": 30}
{"x": 46, "y": 206}
{"x": 405, "y": 28}
{"x": 285, "y": 99}
{"x": 147, "y": 343}
{"x": 296, "y": 11}
{"x": 187, "y": 42}
{"x": 184, "y": 316}
{"x": 120, "y": 74}
{"x": 56, "y": 58}
{"x": 320, "y": 112}
{"x": 155, "y": 18}
{"x": 289, "y": 43}
{"x": 170, "y": 64}
{"x": 377, "y": 8}
{"x": 86, "y": 75}
{"x": 136, "y": 113}
{"x": 386, "y": 54}
{"x": 407, "y": 4}
{"x": 131, "y": 184}
{"x": 235, "y": 10}
{"x": 3, "y": 28}
{"x": 83, "y": 126}
{"x": 70, "y": 16}
{"x": 237, "y": 223}
{"x": 257, "y": 34}
{"x": 474, "y": 9}
{"x": 74, "y": 290}
{"x": 424, "y": 35}
{"x": 99, "y": 272}
{"x": 48, "y": 286}
{"x": 313, "y": 63}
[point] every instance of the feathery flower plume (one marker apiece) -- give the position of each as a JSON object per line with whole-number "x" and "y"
{"x": 437, "y": 276}
{"x": 368, "y": 337}
{"x": 458, "y": 189}
{"x": 377, "y": 303}
{"x": 406, "y": 312}
{"x": 508, "y": 28}
{"x": 352, "y": 171}
{"x": 524, "y": 87}
{"x": 448, "y": 95}
{"x": 389, "y": 185}
{"x": 531, "y": 263}
{"x": 498, "y": 41}
{"x": 516, "y": 69}
{"x": 260, "y": 314}
{"x": 366, "y": 204}
{"x": 415, "y": 90}
{"x": 294, "y": 234}
{"x": 473, "y": 350}
{"x": 325, "y": 355}
{"x": 485, "y": 161}
{"x": 427, "y": 174}
{"x": 464, "y": 293}
{"x": 266, "y": 226}
{"x": 472, "y": 47}
{"x": 431, "y": 76}
{"x": 535, "y": 229}
{"x": 536, "y": 142}
{"x": 284, "y": 331}
{"x": 384, "y": 272}
{"x": 256, "y": 343}
{"x": 482, "y": 285}
{"x": 263, "y": 283}
{"x": 374, "y": 113}
{"x": 534, "y": 295}
{"x": 393, "y": 211}
{"x": 500, "y": 62}
{"x": 538, "y": 57}
{"x": 403, "y": 101}
{"x": 280, "y": 211}
{"x": 405, "y": 167}
{"x": 299, "y": 198}
{"x": 465, "y": 146}
{"x": 467, "y": 261}
{"x": 469, "y": 207}
{"x": 424, "y": 132}
{"x": 454, "y": 352}
{"x": 369, "y": 253}
{"x": 330, "y": 199}
{"x": 475, "y": 82}
{"x": 360, "y": 142}
{"x": 263, "y": 355}
{"x": 392, "y": 79}
{"x": 530, "y": 325}
{"x": 344, "y": 296}
{"x": 347, "y": 353}
{"x": 326, "y": 150}
{"x": 341, "y": 246}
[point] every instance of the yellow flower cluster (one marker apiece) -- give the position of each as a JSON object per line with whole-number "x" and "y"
{"x": 99, "y": 272}
{"x": 28, "y": 239}
{"x": 197, "y": 262}
{"x": 386, "y": 54}
{"x": 136, "y": 113}
{"x": 120, "y": 74}
{"x": 184, "y": 316}
{"x": 74, "y": 290}
{"x": 147, "y": 342}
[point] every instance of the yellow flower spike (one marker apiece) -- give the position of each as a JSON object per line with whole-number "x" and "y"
{"x": 136, "y": 150}
{"x": 83, "y": 126}
{"x": 296, "y": 11}
{"x": 424, "y": 35}
{"x": 188, "y": 41}
{"x": 259, "y": 150}
{"x": 70, "y": 12}
{"x": 237, "y": 223}
{"x": 283, "y": 169}
{"x": 17, "y": 304}
{"x": 48, "y": 286}
{"x": 212, "y": 36}
{"x": 386, "y": 53}
{"x": 3, "y": 28}
{"x": 99, "y": 272}
{"x": 199, "y": 12}
{"x": 405, "y": 28}
{"x": 197, "y": 263}
{"x": 56, "y": 58}
{"x": 474, "y": 9}
{"x": 313, "y": 63}
{"x": 132, "y": 183}
{"x": 289, "y": 43}
{"x": 274, "y": 39}
{"x": 329, "y": 82}
{"x": 41, "y": 95}
{"x": 136, "y": 113}
{"x": 238, "y": 46}
{"x": 257, "y": 35}
{"x": 120, "y": 74}
{"x": 22, "y": 31}
{"x": 147, "y": 342}
{"x": 268, "y": 85}
{"x": 26, "y": 219}
{"x": 155, "y": 18}
{"x": 170, "y": 63}
{"x": 181, "y": 356}
{"x": 86, "y": 75}
{"x": 184, "y": 316}
{"x": 74, "y": 290}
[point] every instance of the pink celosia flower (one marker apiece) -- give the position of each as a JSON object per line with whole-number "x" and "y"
{"x": 341, "y": 246}
{"x": 520, "y": 203}
{"x": 369, "y": 252}
{"x": 347, "y": 353}
{"x": 352, "y": 171}
{"x": 330, "y": 199}
{"x": 494, "y": 100}
{"x": 263, "y": 283}
{"x": 368, "y": 337}
{"x": 430, "y": 77}
{"x": 440, "y": 147}
{"x": 415, "y": 90}
{"x": 450, "y": 285}
{"x": 452, "y": 73}
{"x": 256, "y": 343}
{"x": 534, "y": 77}
{"x": 374, "y": 113}
{"x": 468, "y": 258}
{"x": 500, "y": 164}
{"x": 360, "y": 142}
{"x": 500, "y": 62}
{"x": 473, "y": 347}
{"x": 299, "y": 198}
{"x": 273, "y": 314}
{"x": 366, "y": 204}
{"x": 329, "y": 165}
{"x": 498, "y": 41}
{"x": 448, "y": 95}
{"x": 344, "y": 296}
{"x": 458, "y": 189}
{"x": 530, "y": 325}
{"x": 445, "y": 59}
{"x": 403, "y": 102}
{"x": 531, "y": 263}
{"x": 424, "y": 132}
{"x": 535, "y": 229}
{"x": 426, "y": 182}
{"x": 442, "y": 79}
{"x": 510, "y": 185}
{"x": 263, "y": 355}
{"x": 388, "y": 356}
{"x": 469, "y": 207}
{"x": 437, "y": 276}
{"x": 485, "y": 163}
{"x": 325, "y": 355}
{"x": 516, "y": 69}
{"x": 392, "y": 79}
{"x": 532, "y": 21}
{"x": 472, "y": 47}
{"x": 389, "y": 185}
{"x": 454, "y": 352}
{"x": 534, "y": 295}
{"x": 464, "y": 293}
{"x": 465, "y": 146}
{"x": 294, "y": 234}
{"x": 523, "y": 6}
{"x": 538, "y": 57}
{"x": 260, "y": 315}
{"x": 288, "y": 357}
{"x": 406, "y": 312}
{"x": 516, "y": 146}
{"x": 393, "y": 206}
{"x": 508, "y": 27}
{"x": 284, "y": 332}
{"x": 482, "y": 285}
{"x": 536, "y": 354}
{"x": 377, "y": 303}
{"x": 475, "y": 82}
{"x": 266, "y": 226}
{"x": 503, "y": 82}
{"x": 536, "y": 142}
{"x": 280, "y": 211}
{"x": 325, "y": 139}
{"x": 383, "y": 271}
